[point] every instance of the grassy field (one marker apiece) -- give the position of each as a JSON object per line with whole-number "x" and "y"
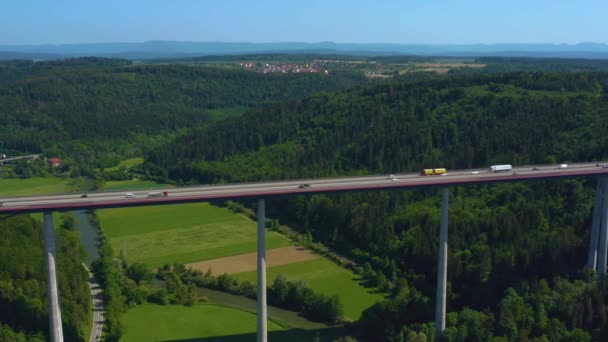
{"x": 204, "y": 323}
{"x": 127, "y": 164}
{"x": 284, "y": 317}
{"x": 172, "y": 323}
{"x": 33, "y": 186}
{"x": 133, "y": 184}
{"x": 325, "y": 277}
{"x": 181, "y": 233}
{"x": 52, "y": 185}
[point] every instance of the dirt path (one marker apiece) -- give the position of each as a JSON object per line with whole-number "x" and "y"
{"x": 247, "y": 262}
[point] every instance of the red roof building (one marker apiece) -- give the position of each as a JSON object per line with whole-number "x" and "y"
{"x": 55, "y": 162}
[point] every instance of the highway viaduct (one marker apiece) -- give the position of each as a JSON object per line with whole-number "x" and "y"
{"x": 598, "y": 245}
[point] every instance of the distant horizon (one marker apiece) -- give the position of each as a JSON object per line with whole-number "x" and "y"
{"x": 186, "y": 49}
{"x": 306, "y": 42}
{"x": 413, "y": 22}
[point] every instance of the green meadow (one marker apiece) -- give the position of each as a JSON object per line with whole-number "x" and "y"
{"x": 207, "y": 323}
{"x": 133, "y": 184}
{"x": 182, "y": 233}
{"x": 33, "y": 186}
{"x": 285, "y": 318}
{"x": 150, "y": 322}
{"x": 328, "y": 278}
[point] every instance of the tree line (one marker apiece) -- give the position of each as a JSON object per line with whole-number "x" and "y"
{"x": 529, "y": 64}
{"x": 296, "y": 296}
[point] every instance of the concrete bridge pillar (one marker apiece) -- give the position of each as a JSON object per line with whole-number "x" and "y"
{"x": 55, "y": 327}
{"x": 598, "y": 238}
{"x": 442, "y": 266}
{"x": 602, "y": 218}
{"x": 594, "y": 237}
{"x": 261, "y": 300}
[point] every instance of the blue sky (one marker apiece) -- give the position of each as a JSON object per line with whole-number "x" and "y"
{"x": 344, "y": 21}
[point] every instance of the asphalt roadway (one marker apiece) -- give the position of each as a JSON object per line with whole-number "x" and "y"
{"x": 93, "y": 200}
{"x": 97, "y": 296}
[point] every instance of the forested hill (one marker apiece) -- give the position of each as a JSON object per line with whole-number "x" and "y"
{"x": 457, "y": 122}
{"x": 58, "y": 101}
{"x": 521, "y": 64}
{"x": 516, "y": 251}
{"x": 17, "y": 69}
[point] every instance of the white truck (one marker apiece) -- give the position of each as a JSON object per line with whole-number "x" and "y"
{"x": 157, "y": 194}
{"x": 498, "y": 168}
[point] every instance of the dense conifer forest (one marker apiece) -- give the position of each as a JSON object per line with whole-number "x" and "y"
{"x": 458, "y": 122}
{"x": 93, "y": 109}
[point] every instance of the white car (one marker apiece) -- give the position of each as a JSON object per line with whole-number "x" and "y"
{"x": 474, "y": 172}
{"x": 563, "y": 166}
{"x": 129, "y": 195}
{"x": 391, "y": 177}
{"x": 395, "y": 179}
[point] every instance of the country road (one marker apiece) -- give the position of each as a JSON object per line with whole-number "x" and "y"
{"x": 96, "y": 294}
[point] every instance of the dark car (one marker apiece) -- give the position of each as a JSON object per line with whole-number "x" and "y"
{"x": 535, "y": 168}
{"x": 303, "y": 186}
{"x": 84, "y": 196}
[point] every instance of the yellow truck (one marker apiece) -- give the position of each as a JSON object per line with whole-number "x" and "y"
{"x": 433, "y": 172}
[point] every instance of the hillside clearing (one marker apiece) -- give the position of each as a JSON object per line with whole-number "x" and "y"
{"x": 126, "y": 164}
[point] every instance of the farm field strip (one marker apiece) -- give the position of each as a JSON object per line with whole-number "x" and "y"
{"x": 248, "y": 262}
